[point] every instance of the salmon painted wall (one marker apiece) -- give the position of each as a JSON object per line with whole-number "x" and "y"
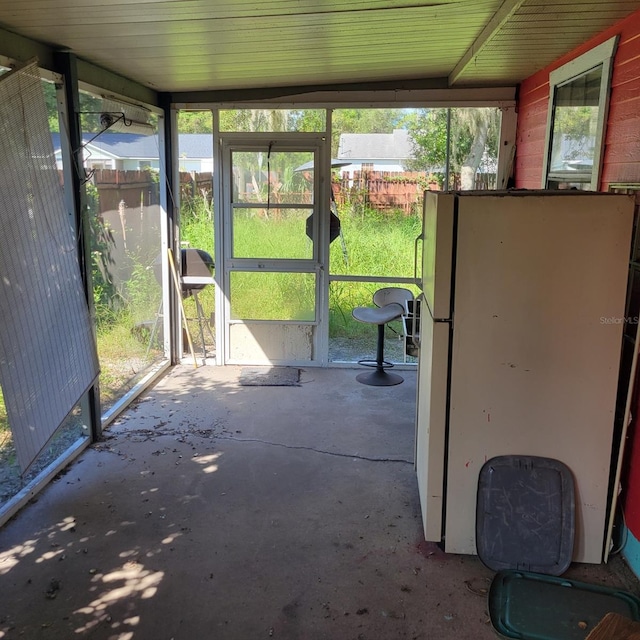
{"x": 621, "y": 164}
{"x": 622, "y": 137}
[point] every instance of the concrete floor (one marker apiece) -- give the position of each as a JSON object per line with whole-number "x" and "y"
{"x": 218, "y": 511}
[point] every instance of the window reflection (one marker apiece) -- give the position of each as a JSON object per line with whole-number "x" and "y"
{"x": 575, "y": 130}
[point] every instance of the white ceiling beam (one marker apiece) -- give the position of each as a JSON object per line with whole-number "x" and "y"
{"x": 454, "y": 97}
{"x": 506, "y": 10}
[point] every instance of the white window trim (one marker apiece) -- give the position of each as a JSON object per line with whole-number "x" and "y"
{"x": 600, "y": 55}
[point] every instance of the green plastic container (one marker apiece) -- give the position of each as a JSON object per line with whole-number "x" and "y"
{"x": 532, "y": 606}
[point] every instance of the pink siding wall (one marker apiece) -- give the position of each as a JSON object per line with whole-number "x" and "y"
{"x": 621, "y": 164}
{"x": 622, "y": 138}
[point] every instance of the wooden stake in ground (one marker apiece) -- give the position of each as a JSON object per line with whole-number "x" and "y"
{"x": 176, "y": 283}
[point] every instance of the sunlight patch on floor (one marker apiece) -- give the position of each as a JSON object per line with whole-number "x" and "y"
{"x": 208, "y": 460}
{"x": 130, "y": 580}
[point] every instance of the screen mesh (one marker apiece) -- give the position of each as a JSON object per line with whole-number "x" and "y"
{"x": 128, "y": 118}
{"x": 47, "y": 353}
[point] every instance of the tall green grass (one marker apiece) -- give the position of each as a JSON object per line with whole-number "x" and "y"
{"x": 375, "y": 243}
{"x": 280, "y": 235}
{"x": 196, "y": 223}
{"x": 4, "y": 424}
{"x": 371, "y": 243}
{"x": 197, "y": 232}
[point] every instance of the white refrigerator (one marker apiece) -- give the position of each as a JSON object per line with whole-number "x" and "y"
{"x": 523, "y": 298}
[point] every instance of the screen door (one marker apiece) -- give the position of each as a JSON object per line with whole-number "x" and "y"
{"x": 273, "y": 276}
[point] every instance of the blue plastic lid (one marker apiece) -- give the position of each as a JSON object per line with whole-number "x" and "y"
{"x": 525, "y": 515}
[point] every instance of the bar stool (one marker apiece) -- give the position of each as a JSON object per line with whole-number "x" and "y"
{"x": 196, "y": 269}
{"x": 390, "y": 305}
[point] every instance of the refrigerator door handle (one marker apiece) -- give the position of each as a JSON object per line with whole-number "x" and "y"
{"x": 420, "y": 238}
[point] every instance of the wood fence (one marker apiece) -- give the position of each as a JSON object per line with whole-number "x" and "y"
{"x": 134, "y": 189}
{"x": 380, "y": 190}
{"x": 128, "y": 189}
{"x": 383, "y": 190}
{"x": 193, "y": 184}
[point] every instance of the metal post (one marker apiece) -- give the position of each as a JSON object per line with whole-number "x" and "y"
{"x": 380, "y": 349}
{"x": 172, "y": 187}
{"x": 66, "y": 65}
{"x": 447, "y": 167}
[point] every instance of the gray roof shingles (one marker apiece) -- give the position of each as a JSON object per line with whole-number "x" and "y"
{"x": 376, "y": 146}
{"x": 132, "y": 145}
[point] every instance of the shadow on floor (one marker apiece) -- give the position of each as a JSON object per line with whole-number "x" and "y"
{"x": 217, "y": 511}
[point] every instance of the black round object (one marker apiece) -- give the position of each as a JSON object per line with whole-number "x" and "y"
{"x": 195, "y": 263}
{"x": 334, "y": 227}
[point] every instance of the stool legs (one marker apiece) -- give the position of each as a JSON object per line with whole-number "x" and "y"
{"x": 380, "y": 377}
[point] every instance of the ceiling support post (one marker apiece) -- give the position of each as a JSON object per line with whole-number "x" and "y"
{"x": 76, "y": 197}
{"x": 172, "y": 237}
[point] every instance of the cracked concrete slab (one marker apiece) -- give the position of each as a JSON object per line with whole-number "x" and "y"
{"x": 216, "y": 511}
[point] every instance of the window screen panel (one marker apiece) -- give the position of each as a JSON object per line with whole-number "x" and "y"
{"x": 47, "y": 352}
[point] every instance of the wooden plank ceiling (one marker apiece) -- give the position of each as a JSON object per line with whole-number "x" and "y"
{"x": 201, "y": 45}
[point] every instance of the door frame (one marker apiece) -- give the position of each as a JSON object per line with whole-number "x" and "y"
{"x": 225, "y": 144}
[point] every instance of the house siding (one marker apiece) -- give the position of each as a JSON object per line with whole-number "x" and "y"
{"x": 621, "y": 163}
{"x": 622, "y": 136}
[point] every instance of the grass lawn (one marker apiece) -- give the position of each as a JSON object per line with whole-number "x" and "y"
{"x": 122, "y": 351}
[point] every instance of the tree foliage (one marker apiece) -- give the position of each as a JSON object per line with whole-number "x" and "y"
{"x": 195, "y": 122}
{"x": 303, "y": 120}
{"x": 90, "y": 109}
{"x": 253, "y": 120}
{"x": 473, "y": 140}
{"x": 578, "y": 126}
{"x": 51, "y": 101}
{"x": 428, "y": 130}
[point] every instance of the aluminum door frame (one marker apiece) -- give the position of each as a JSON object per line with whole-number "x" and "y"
{"x": 225, "y": 263}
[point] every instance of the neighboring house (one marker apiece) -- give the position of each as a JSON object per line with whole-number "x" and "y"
{"x": 131, "y": 151}
{"x": 195, "y": 152}
{"x": 375, "y": 151}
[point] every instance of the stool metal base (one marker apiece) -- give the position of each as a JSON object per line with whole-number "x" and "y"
{"x": 375, "y": 364}
{"x": 379, "y": 378}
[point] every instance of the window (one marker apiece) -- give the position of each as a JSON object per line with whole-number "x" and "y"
{"x": 98, "y": 164}
{"x": 578, "y": 101}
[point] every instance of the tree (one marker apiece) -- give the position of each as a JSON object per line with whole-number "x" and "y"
{"x": 195, "y": 122}
{"x": 576, "y": 126}
{"x": 472, "y": 133}
{"x": 304, "y": 120}
{"x": 51, "y": 101}
{"x": 428, "y": 130}
{"x": 473, "y": 140}
{"x": 90, "y": 109}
